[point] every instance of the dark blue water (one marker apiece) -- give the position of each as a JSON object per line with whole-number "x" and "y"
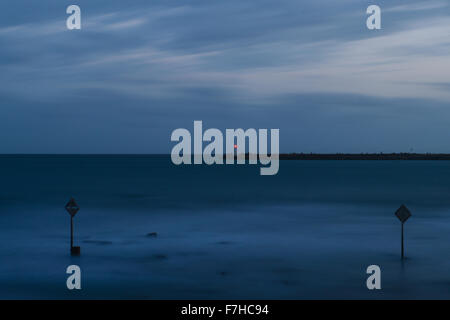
{"x": 223, "y": 231}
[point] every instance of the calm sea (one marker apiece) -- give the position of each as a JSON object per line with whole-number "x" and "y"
{"x": 223, "y": 231}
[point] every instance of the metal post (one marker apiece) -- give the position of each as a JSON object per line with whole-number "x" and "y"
{"x": 403, "y": 214}
{"x": 71, "y": 233}
{"x": 72, "y": 208}
{"x": 403, "y": 250}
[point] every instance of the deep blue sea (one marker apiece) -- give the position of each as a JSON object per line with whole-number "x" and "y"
{"x": 224, "y": 232}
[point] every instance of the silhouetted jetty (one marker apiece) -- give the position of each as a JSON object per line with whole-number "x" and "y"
{"x": 282, "y": 156}
{"x": 365, "y": 156}
{"x": 358, "y": 156}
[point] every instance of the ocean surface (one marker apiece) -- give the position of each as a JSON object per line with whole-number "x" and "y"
{"x": 223, "y": 232}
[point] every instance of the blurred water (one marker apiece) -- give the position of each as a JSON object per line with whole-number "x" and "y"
{"x": 223, "y": 231}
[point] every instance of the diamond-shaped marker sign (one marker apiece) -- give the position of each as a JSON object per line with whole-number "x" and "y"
{"x": 72, "y": 207}
{"x": 403, "y": 213}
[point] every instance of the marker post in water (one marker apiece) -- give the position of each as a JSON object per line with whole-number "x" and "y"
{"x": 72, "y": 208}
{"x": 403, "y": 214}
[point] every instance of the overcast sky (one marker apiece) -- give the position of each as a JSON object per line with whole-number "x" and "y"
{"x": 139, "y": 69}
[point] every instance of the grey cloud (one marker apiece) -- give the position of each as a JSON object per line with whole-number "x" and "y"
{"x": 137, "y": 70}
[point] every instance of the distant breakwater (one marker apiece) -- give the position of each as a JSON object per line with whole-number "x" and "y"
{"x": 365, "y": 156}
